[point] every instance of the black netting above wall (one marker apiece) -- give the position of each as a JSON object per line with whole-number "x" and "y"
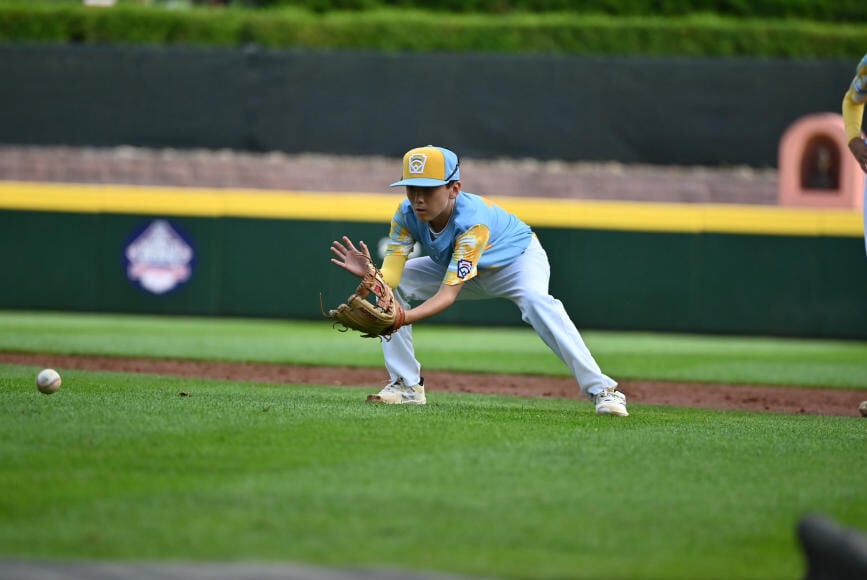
{"x": 631, "y": 110}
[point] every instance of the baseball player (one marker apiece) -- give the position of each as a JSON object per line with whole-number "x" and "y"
{"x": 853, "y": 115}
{"x": 475, "y": 251}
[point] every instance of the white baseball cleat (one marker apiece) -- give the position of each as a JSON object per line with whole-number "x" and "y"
{"x": 610, "y": 402}
{"x": 398, "y": 393}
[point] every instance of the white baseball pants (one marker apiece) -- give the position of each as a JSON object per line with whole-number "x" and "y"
{"x": 524, "y": 282}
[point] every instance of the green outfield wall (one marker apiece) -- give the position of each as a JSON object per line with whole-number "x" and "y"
{"x": 635, "y": 266}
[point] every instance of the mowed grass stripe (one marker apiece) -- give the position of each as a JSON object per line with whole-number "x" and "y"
{"x": 120, "y": 466}
{"x": 623, "y": 355}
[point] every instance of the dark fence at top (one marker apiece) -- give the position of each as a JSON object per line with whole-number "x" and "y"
{"x": 627, "y": 109}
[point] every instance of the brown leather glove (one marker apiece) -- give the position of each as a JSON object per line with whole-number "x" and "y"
{"x": 379, "y": 318}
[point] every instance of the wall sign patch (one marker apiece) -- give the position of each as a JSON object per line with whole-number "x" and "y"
{"x": 159, "y": 258}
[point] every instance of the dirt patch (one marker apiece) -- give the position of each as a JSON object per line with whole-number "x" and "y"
{"x": 809, "y": 401}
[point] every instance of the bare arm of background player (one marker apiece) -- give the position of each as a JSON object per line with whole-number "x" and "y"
{"x": 853, "y": 114}
{"x": 859, "y": 149}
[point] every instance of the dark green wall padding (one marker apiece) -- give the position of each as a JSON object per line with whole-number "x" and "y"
{"x": 799, "y": 286}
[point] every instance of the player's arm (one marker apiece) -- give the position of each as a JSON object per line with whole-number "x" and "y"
{"x": 853, "y": 114}
{"x": 469, "y": 247}
{"x": 442, "y": 300}
{"x": 392, "y": 268}
{"x": 397, "y": 252}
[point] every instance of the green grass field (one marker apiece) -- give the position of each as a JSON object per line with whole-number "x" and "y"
{"x": 820, "y": 363}
{"x": 120, "y": 467}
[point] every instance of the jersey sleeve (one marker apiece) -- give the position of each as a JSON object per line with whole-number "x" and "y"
{"x": 853, "y": 101}
{"x": 397, "y": 251}
{"x": 400, "y": 239}
{"x": 469, "y": 247}
{"x": 392, "y": 269}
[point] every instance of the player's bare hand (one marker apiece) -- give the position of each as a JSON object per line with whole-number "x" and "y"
{"x": 859, "y": 149}
{"x": 352, "y": 259}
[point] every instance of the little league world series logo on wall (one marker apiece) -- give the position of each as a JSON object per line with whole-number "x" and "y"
{"x": 159, "y": 258}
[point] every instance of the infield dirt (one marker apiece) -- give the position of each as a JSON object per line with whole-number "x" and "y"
{"x": 809, "y": 401}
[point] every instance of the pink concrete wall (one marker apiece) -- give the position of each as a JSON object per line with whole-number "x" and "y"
{"x": 815, "y": 166}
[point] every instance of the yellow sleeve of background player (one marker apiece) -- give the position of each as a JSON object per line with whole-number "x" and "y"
{"x": 392, "y": 269}
{"x": 853, "y": 101}
{"x": 853, "y": 115}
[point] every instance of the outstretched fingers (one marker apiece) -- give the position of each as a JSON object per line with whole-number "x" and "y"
{"x": 350, "y": 258}
{"x": 366, "y": 250}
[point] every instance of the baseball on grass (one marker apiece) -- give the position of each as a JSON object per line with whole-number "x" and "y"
{"x": 48, "y": 381}
{"x": 863, "y": 408}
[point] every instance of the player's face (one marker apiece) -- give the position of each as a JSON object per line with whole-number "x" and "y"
{"x": 433, "y": 204}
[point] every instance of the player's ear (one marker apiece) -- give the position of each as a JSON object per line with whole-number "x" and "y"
{"x": 454, "y": 189}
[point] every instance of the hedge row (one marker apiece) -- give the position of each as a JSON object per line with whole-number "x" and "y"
{"x": 825, "y": 10}
{"x": 698, "y": 35}
{"x": 845, "y": 11}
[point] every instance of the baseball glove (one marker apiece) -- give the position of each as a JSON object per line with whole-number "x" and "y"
{"x": 373, "y": 319}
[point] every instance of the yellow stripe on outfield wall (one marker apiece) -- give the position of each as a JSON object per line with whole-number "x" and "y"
{"x": 365, "y": 207}
{"x": 180, "y": 201}
{"x": 681, "y": 217}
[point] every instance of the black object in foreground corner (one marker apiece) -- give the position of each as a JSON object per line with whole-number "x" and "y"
{"x": 832, "y": 552}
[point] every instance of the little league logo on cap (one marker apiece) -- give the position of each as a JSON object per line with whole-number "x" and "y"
{"x": 429, "y": 167}
{"x": 415, "y": 164}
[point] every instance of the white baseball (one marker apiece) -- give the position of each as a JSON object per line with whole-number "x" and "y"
{"x": 48, "y": 381}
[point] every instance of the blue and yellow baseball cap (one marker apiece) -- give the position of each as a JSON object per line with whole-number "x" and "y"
{"x": 429, "y": 167}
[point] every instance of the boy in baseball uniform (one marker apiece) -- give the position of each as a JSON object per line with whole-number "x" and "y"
{"x": 474, "y": 250}
{"x": 853, "y": 115}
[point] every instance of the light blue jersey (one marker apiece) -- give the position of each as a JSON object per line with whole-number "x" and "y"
{"x": 479, "y": 235}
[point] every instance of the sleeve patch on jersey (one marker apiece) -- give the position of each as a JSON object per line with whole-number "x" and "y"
{"x": 464, "y": 268}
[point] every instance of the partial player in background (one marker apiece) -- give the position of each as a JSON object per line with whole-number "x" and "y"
{"x": 853, "y": 115}
{"x": 475, "y": 251}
